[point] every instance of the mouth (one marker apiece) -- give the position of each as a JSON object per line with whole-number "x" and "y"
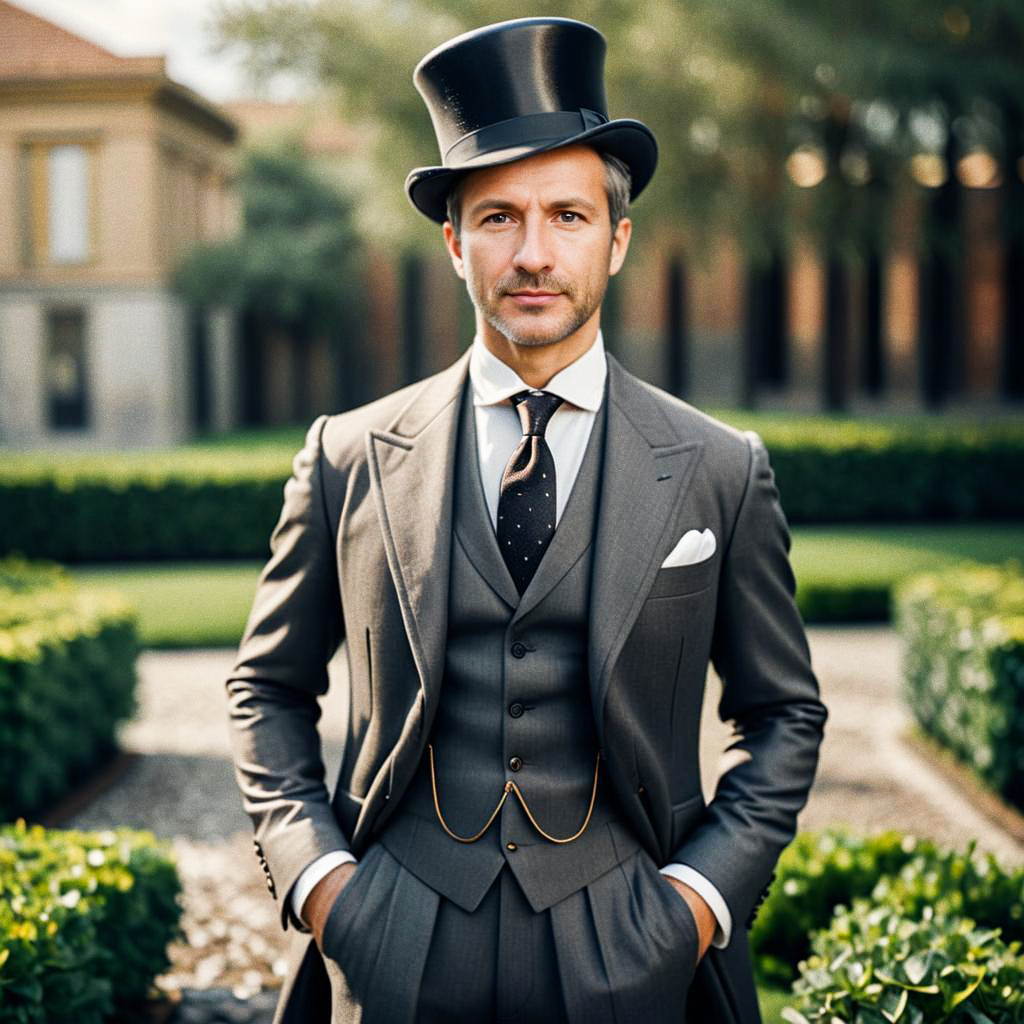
{"x": 529, "y": 297}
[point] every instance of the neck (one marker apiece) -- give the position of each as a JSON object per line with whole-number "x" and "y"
{"x": 537, "y": 364}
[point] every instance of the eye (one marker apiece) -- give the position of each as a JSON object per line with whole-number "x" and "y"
{"x": 568, "y": 217}
{"x": 492, "y": 218}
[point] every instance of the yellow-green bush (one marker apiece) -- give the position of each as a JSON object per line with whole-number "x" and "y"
{"x": 822, "y": 871}
{"x": 875, "y": 964}
{"x": 85, "y": 920}
{"x": 963, "y": 666}
{"x": 67, "y": 678}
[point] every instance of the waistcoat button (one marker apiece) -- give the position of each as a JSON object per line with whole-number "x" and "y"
{"x": 515, "y": 710}
{"x": 515, "y": 763}
{"x": 518, "y": 650}
{"x": 511, "y": 846}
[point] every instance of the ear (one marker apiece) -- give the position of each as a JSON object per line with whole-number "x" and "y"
{"x": 454, "y": 247}
{"x": 620, "y": 245}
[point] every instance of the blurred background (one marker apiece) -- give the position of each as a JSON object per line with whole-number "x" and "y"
{"x": 205, "y": 244}
{"x": 220, "y": 239}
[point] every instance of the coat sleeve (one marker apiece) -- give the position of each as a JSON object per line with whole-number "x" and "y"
{"x": 293, "y": 629}
{"x": 770, "y": 694}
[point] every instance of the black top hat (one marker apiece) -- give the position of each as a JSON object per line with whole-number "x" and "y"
{"x": 507, "y": 91}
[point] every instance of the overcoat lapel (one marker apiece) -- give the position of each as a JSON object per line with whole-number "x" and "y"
{"x": 411, "y": 473}
{"x": 646, "y": 470}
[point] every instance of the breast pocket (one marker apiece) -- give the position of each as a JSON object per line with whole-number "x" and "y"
{"x": 684, "y": 579}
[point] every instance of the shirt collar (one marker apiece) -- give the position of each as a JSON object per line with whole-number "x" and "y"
{"x": 581, "y": 383}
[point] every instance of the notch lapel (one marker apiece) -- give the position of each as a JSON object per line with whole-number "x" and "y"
{"x": 475, "y": 530}
{"x": 411, "y": 472}
{"x": 646, "y": 470}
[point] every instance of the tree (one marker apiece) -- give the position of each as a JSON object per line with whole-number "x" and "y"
{"x": 294, "y": 267}
{"x": 881, "y": 86}
{"x": 732, "y": 89}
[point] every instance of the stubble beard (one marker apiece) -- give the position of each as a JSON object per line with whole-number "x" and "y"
{"x": 582, "y": 308}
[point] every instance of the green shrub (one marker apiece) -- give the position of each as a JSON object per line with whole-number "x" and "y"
{"x": 222, "y": 502}
{"x": 854, "y": 471}
{"x": 874, "y": 965}
{"x": 18, "y": 575}
{"x": 817, "y": 872}
{"x": 85, "y": 920}
{"x": 147, "y": 518}
{"x": 67, "y": 678}
{"x": 820, "y": 871}
{"x": 963, "y": 667}
{"x": 849, "y": 600}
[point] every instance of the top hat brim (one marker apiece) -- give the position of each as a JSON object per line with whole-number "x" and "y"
{"x": 631, "y": 141}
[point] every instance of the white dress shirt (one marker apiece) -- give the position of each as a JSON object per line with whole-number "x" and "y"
{"x": 498, "y": 433}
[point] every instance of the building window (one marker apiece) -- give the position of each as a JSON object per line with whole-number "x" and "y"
{"x": 57, "y": 203}
{"x": 68, "y": 181}
{"x": 66, "y": 384}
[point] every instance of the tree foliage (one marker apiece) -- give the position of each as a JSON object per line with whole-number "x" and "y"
{"x": 731, "y": 89}
{"x": 293, "y": 264}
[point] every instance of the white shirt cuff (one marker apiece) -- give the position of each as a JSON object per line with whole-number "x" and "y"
{"x": 312, "y": 874}
{"x": 711, "y": 896}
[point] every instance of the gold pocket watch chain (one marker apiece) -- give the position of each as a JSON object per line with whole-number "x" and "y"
{"x": 511, "y": 787}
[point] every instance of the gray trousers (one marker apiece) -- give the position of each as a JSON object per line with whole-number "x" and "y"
{"x": 621, "y": 949}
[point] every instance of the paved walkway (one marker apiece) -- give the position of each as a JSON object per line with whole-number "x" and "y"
{"x": 182, "y": 787}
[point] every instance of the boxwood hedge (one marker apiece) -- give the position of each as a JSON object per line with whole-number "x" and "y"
{"x": 85, "y": 921}
{"x": 67, "y": 678}
{"x": 223, "y": 502}
{"x": 962, "y": 632}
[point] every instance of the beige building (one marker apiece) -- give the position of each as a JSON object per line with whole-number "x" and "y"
{"x": 109, "y": 170}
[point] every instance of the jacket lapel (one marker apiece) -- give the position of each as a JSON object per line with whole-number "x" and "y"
{"x": 473, "y": 526}
{"x": 646, "y": 470}
{"x": 411, "y": 471}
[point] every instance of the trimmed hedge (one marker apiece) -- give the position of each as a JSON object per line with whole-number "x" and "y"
{"x": 848, "y": 601}
{"x": 835, "y": 470}
{"x": 67, "y": 678}
{"x": 95, "y": 518}
{"x": 963, "y": 667}
{"x": 85, "y": 920}
{"x": 223, "y": 502}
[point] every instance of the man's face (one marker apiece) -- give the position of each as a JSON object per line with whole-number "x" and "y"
{"x": 536, "y": 246}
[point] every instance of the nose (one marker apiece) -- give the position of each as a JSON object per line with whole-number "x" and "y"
{"x": 534, "y": 255}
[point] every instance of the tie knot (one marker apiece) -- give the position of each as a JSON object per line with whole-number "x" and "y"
{"x": 535, "y": 408}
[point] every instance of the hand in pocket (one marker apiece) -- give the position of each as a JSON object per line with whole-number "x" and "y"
{"x": 320, "y": 903}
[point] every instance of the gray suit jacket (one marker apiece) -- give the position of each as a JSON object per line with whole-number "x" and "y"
{"x": 361, "y": 552}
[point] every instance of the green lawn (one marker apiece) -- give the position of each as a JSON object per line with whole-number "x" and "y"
{"x": 846, "y": 573}
{"x": 772, "y": 1002}
{"x": 837, "y": 554}
{"x": 206, "y": 603}
{"x": 183, "y": 604}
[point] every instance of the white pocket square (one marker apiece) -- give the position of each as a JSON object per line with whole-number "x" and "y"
{"x": 694, "y": 546}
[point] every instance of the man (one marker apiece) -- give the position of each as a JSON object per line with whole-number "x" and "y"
{"x": 531, "y": 555}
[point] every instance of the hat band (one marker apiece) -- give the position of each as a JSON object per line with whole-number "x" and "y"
{"x": 528, "y": 130}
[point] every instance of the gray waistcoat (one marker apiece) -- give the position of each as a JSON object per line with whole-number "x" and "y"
{"x": 515, "y": 685}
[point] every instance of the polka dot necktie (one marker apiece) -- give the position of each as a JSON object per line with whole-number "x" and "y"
{"x": 526, "y": 502}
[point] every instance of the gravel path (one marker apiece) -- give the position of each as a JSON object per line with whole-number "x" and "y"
{"x": 182, "y": 787}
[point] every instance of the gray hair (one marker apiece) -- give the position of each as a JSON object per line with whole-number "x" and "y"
{"x": 617, "y": 183}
